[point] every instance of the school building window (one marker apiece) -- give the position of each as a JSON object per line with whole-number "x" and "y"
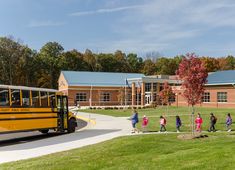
{"x": 206, "y": 97}
{"x": 138, "y": 98}
{"x": 129, "y": 98}
{"x": 147, "y": 87}
{"x": 105, "y": 97}
{"x": 154, "y": 86}
{"x": 171, "y": 99}
{"x": 81, "y": 97}
{"x": 221, "y": 96}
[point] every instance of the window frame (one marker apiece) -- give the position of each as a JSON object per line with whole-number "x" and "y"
{"x": 206, "y": 98}
{"x": 18, "y": 102}
{"x": 38, "y": 104}
{"x": 81, "y": 95}
{"x": 148, "y": 87}
{"x": 172, "y": 98}
{"x": 105, "y": 96}
{"x": 44, "y": 97}
{"x": 29, "y": 98}
{"x": 7, "y": 104}
{"x": 220, "y": 98}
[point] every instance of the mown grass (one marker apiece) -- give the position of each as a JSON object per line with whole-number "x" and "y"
{"x": 170, "y": 113}
{"x": 141, "y": 152}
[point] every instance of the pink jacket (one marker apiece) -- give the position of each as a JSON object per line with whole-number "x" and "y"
{"x": 162, "y": 121}
{"x": 198, "y": 120}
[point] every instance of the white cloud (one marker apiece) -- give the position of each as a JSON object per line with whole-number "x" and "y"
{"x": 163, "y": 25}
{"x": 174, "y": 22}
{"x": 47, "y": 23}
{"x": 105, "y": 10}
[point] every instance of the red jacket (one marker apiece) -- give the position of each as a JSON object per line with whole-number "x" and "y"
{"x": 145, "y": 121}
{"x": 198, "y": 120}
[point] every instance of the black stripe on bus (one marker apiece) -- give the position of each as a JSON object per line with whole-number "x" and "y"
{"x": 27, "y": 130}
{"x": 27, "y": 118}
{"x": 13, "y": 112}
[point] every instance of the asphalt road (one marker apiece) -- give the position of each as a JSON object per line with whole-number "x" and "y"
{"x": 34, "y": 144}
{"x": 24, "y": 137}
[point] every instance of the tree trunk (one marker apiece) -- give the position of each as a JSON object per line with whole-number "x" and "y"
{"x": 192, "y": 119}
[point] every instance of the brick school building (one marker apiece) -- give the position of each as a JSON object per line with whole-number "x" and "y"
{"x": 111, "y": 89}
{"x": 105, "y": 89}
{"x": 219, "y": 91}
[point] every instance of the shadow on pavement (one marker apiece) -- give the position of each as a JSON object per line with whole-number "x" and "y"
{"x": 81, "y": 123}
{"x": 31, "y": 138}
{"x": 26, "y": 137}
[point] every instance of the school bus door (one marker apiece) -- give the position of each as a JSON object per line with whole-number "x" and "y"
{"x": 62, "y": 107}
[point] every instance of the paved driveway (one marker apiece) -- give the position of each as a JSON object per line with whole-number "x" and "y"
{"x": 105, "y": 128}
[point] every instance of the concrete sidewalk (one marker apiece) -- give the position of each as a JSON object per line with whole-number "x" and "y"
{"x": 105, "y": 128}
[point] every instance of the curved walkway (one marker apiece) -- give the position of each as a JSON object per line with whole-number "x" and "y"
{"x": 99, "y": 128}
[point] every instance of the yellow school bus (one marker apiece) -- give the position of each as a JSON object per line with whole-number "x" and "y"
{"x": 29, "y": 108}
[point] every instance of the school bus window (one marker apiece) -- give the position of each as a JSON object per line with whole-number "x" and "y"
{"x": 44, "y": 99}
{"x": 15, "y": 97}
{"x": 25, "y": 98}
{"x": 35, "y": 99}
{"x": 59, "y": 102}
{"x": 52, "y": 99}
{"x": 65, "y": 104}
{"x": 4, "y": 97}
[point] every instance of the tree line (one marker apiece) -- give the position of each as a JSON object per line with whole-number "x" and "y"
{"x": 21, "y": 65}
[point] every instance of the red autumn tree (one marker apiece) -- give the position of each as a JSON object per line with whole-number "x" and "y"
{"x": 193, "y": 74}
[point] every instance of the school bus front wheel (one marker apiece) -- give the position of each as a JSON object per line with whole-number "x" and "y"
{"x": 72, "y": 124}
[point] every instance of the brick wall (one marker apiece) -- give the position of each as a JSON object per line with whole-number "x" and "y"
{"x": 95, "y": 93}
{"x": 180, "y": 100}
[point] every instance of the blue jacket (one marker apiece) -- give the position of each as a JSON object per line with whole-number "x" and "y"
{"x": 135, "y": 118}
{"x": 178, "y": 122}
{"x": 228, "y": 120}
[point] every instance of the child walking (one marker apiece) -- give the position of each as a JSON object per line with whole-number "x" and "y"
{"x": 162, "y": 124}
{"x": 144, "y": 123}
{"x": 134, "y": 121}
{"x": 178, "y": 123}
{"x": 229, "y": 122}
{"x": 213, "y": 120}
{"x": 198, "y": 122}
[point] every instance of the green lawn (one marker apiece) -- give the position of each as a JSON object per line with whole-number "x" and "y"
{"x": 183, "y": 112}
{"x": 143, "y": 152}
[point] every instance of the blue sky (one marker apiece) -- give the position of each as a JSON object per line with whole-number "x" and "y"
{"x": 206, "y": 27}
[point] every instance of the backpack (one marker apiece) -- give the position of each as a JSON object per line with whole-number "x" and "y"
{"x": 164, "y": 121}
{"x": 215, "y": 119}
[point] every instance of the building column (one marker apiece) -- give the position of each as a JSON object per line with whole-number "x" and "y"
{"x": 133, "y": 94}
{"x": 90, "y": 98}
{"x": 151, "y": 96}
{"x": 142, "y": 94}
{"x": 158, "y": 91}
